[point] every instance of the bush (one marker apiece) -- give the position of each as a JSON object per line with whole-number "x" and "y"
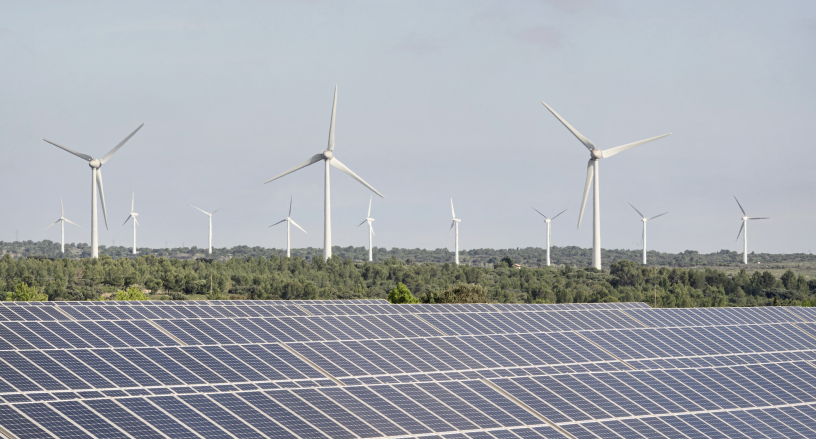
{"x": 132, "y": 293}
{"x": 401, "y": 294}
{"x": 459, "y": 293}
{"x": 23, "y": 293}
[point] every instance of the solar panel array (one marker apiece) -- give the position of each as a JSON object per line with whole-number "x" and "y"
{"x": 361, "y": 369}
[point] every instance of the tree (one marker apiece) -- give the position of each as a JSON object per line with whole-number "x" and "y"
{"x": 23, "y": 293}
{"x": 132, "y": 293}
{"x": 401, "y": 294}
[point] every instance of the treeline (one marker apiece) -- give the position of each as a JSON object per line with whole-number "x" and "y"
{"x": 285, "y": 278}
{"x": 529, "y": 256}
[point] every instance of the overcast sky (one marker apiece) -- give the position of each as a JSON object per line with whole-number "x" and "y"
{"x": 437, "y": 100}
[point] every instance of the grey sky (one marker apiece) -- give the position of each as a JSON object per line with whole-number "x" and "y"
{"x": 436, "y": 100}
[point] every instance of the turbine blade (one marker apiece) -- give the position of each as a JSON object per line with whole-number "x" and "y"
{"x": 296, "y": 225}
{"x": 331, "y": 129}
{"x": 62, "y": 208}
{"x": 116, "y": 148}
{"x": 126, "y": 219}
{"x": 740, "y": 231}
{"x": 364, "y": 221}
{"x": 545, "y": 216}
{"x": 336, "y": 163}
{"x": 633, "y": 207}
{"x": 208, "y": 213}
{"x": 764, "y": 217}
{"x": 277, "y": 223}
{"x": 136, "y": 221}
{"x": 657, "y": 216}
{"x": 371, "y": 227}
{"x": 612, "y": 151}
{"x": 133, "y": 202}
{"x": 216, "y": 210}
{"x": 588, "y": 143}
{"x": 314, "y": 159}
{"x": 53, "y": 224}
{"x": 71, "y": 222}
{"x": 451, "y": 229}
{"x": 290, "y": 206}
{"x": 78, "y": 154}
{"x": 740, "y": 205}
{"x": 452, "y": 212}
{"x": 102, "y": 195}
{"x": 590, "y": 173}
{"x": 369, "y": 206}
{"x": 559, "y": 214}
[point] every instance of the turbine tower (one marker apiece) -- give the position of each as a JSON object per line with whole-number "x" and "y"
{"x": 548, "y": 220}
{"x": 289, "y": 220}
{"x": 644, "y": 219}
{"x": 135, "y": 223}
{"x": 63, "y": 220}
{"x": 744, "y": 225}
{"x": 370, "y": 231}
{"x": 209, "y": 215}
{"x": 594, "y": 170}
{"x": 328, "y": 158}
{"x": 96, "y": 181}
{"x": 455, "y": 223}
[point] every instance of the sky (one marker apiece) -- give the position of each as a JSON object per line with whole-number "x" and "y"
{"x": 436, "y": 100}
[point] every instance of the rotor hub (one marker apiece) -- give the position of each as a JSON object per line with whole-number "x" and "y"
{"x": 95, "y": 163}
{"x": 596, "y": 154}
{"x": 327, "y": 155}
{"x": 644, "y": 219}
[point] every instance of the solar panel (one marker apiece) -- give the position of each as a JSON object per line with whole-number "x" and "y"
{"x": 366, "y": 368}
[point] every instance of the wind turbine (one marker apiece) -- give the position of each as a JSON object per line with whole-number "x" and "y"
{"x": 455, "y": 223}
{"x": 744, "y": 225}
{"x": 644, "y": 219}
{"x": 328, "y": 158}
{"x": 63, "y": 220}
{"x": 96, "y": 181}
{"x": 288, "y": 220}
{"x": 135, "y": 223}
{"x": 547, "y": 220}
{"x": 209, "y": 215}
{"x": 594, "y": 170}
{"x": 370, "y": 231}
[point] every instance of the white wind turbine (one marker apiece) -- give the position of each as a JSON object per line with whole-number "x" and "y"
{"x": 548, "y": 220}
{"x": 328, "y": 158}
{"x": 135, "y": 223}
{"x": 594, "y": 170}
{"x": 63, "y": 220}
{"x": 289, "y": 220}
{"x": 644, "y": 219}
{"x": 455, "y": 223}
{"x": 744, "y": 225}
{"x": 370, "y": 231}
{"x": 209, "y": 215}
{"x": 96, "y": 181}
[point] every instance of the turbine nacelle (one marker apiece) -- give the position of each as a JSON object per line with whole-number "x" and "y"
{"x": 95, "y": 163}
{"x": 327, "y": 155}
{"x": 596, "y": 154}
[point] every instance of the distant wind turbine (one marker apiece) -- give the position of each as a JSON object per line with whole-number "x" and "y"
{"x": 328, "y": 158}
{"x": 455, "y": 223}
{"x": 135, "y": 223}
{"x": 593, "y": 169}
{"x": 644, "y": 219}
{"x": 547, "y": 220}
{"x": 62, "y": 220}
{"x": 96, "y": 181}
{"x": 370, "y": 231}
{"x": 209, "y": 215}
{"x": 744, "y": 225}
{"x": 289, "y": 220}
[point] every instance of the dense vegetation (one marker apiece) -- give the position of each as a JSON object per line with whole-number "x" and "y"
{"x": 277, "y": 277}
{"x": 529, "y": 256}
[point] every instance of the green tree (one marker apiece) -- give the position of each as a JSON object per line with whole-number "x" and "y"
{"x": 132, "y": 293}
{"x": 401, "y": 294}
{"x": 23, "y": 293}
